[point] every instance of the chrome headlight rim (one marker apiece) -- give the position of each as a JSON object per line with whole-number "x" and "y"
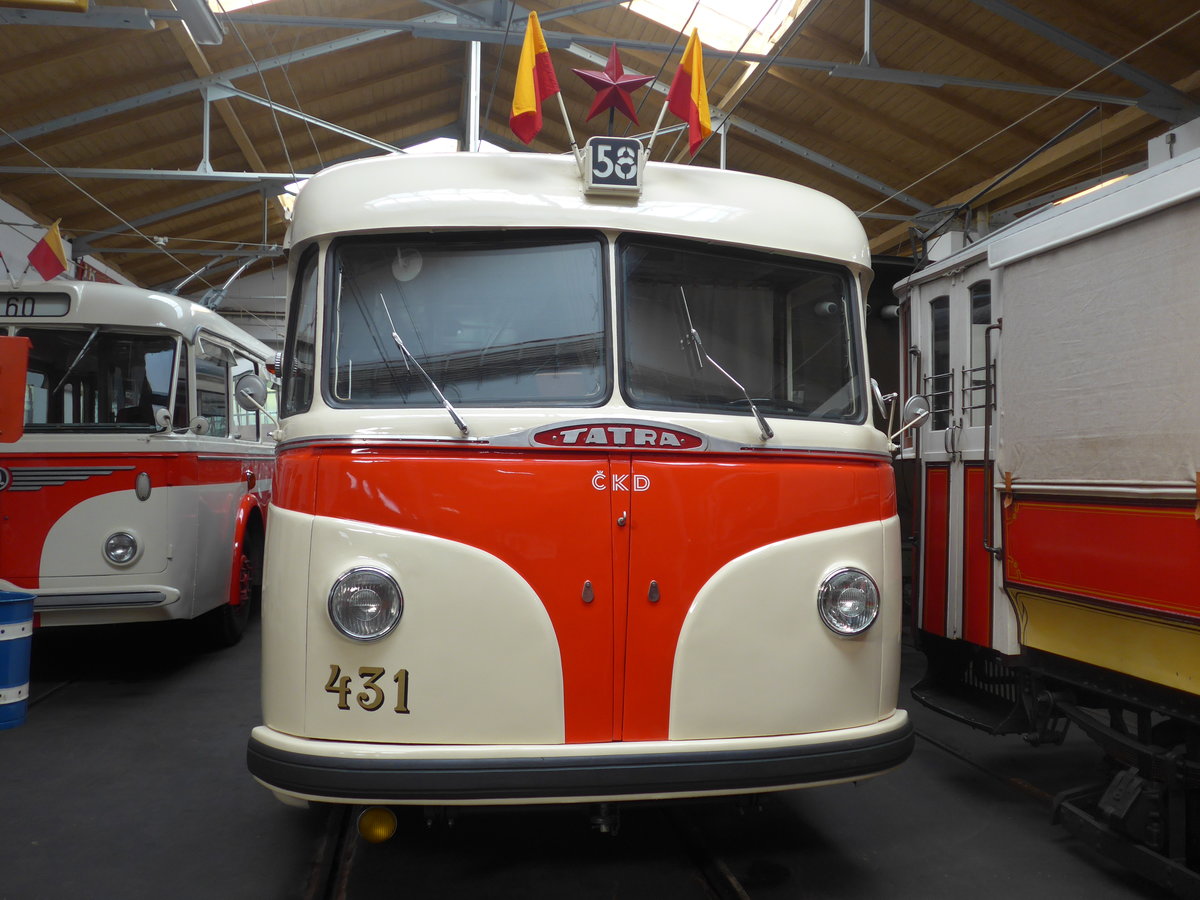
{"x": 121, "y": 548}
{"x": 343, "y": 589}
{"x": 835, "y": 587}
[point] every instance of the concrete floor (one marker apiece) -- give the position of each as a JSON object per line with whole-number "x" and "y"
{"x": 128, "y": 780}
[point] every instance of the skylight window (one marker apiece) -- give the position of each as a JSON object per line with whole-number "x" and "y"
{"x": 725, "y": 24}
{"x": 231, "y": 5}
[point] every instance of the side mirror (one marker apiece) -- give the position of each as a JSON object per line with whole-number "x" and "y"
{"x": 162, "y": 418}
{"x": 251, "y": 392}
{"x": 199, "y": 425}
{"x": 916, "y": 410}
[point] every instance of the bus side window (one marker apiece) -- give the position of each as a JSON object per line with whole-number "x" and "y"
{"x": 245, "y": 421}
{"x": 299, "y": 359}
{"x": 212, "y": 394}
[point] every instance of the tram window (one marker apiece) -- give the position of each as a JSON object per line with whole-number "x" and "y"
{"x": 89, "y": 379}
{"x": 781, "y": 327}
{"x": 493, "y": 320}
{"x": 940, "y": 386}
{"x": 301, "y": 347}
{"x": 981, "y": 318}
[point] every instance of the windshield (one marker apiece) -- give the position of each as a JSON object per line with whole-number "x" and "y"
{"x": 468, "y": 320}
{"x": 702, "y": 324}
{"x": 89, "y": 378}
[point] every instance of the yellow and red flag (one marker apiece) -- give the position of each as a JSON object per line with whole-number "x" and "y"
{"x": 535, "y": 82}
{"x": 688, "y": 96}
{"x": 48, "y": 256}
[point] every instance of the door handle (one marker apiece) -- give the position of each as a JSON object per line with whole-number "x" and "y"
{"x": 652, "y": 595}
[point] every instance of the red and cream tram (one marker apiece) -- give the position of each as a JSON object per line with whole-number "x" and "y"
{"x": 138, "y": 490}
{"x": 1059, "y": 480}
{"x": 579, "y": 496}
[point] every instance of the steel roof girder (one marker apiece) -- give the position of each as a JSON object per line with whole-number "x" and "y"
{"x": 1162, "y": 100}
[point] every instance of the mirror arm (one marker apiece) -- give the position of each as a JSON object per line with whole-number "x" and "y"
{"x": 244, "y": 393}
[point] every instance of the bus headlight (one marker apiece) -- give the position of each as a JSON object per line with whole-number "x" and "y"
{"x": 365, "y": 604}
{"x": 848, "y": 601}
{"x": 120, "y": 548}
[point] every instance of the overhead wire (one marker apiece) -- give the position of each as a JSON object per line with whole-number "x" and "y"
{"x": 1032, "y": 112}
{"x": 512, "y": 8}
{"x": 100, "y": 203}
{"x": 266, "y": 90}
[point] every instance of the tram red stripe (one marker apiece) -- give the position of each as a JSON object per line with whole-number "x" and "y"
{"x": 1143, "y": 556}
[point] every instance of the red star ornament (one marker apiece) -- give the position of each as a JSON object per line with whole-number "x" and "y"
{"x": 613, "y": 87}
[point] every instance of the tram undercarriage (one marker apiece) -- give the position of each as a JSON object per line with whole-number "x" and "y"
{"x": 1142, "y": 808}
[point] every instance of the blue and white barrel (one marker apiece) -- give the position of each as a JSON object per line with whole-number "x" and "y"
{"x": 16, "y": 640}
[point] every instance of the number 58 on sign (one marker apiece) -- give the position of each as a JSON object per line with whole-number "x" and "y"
{"x": 612, "y": 165}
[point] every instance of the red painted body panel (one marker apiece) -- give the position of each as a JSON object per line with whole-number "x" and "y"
{"x": 28, "y": 516}
{"x": 1142, "y": 556}
{"x": 616, "y": 519}
{"x": 977, "y": 562}
{"x": 934, "y": 559}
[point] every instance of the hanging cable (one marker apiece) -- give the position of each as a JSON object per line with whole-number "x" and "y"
{"x": 1032, "y": 112}
{"x": 100, "y": 203}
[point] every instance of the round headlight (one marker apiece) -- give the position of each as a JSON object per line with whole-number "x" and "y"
{"x": 120, "y": 548}
{"x": 848, "y": 601}
{"x": 365, "y": 604}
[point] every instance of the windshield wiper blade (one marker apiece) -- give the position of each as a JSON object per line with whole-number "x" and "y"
{"x": 410, "y": 361}
{"x": 75, "y": 362}
{"x": 692, "y": 339}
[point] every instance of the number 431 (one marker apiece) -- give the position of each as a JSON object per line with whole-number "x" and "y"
{"x": 372, "y": 696}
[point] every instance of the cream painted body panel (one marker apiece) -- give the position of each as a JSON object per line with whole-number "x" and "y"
{"x": 522, "y": 190}
{"x": 501, "y": 683}
{"x": 754, "y": 657}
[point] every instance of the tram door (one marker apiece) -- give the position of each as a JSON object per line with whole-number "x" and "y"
{"x": 956, "y": 315}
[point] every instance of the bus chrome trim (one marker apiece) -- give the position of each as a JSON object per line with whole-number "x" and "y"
{"x": 715, "y": 446}
{"x": 110, "y": 600}
{"x": 364, "y": 773}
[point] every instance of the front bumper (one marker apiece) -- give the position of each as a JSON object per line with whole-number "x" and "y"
{"x": 340, "y": 772}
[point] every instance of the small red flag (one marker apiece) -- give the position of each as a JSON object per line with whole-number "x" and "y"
{"x": 535, "y": 82}
{"x": 48, "y": 256}
{"x": 688, "y": 96}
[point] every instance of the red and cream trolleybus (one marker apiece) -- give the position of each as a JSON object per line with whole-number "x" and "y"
{"x": 1059, "y": 564}
{"x": 579, "y": 496}
{"x": 139, "y": 488}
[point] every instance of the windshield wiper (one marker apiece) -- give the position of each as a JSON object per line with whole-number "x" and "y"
{"x": 692, "y": 339}
{"x": 410, "y": 361}
{"x": 75, "y": 362}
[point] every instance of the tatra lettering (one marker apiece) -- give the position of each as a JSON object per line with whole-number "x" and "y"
{"x": 617, "y": 436}
{"x": 620, "y": 434}
{"x": 571, "y": 435}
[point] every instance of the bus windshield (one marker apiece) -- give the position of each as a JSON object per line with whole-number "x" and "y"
{"x": 489, "y": 320}
{"x": 716, "y": 329}
{"x": 90, "y": 378}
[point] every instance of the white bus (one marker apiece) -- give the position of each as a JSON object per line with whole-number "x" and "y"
{"x": 138, "y": 490}
{"x": 579, "y": 495}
